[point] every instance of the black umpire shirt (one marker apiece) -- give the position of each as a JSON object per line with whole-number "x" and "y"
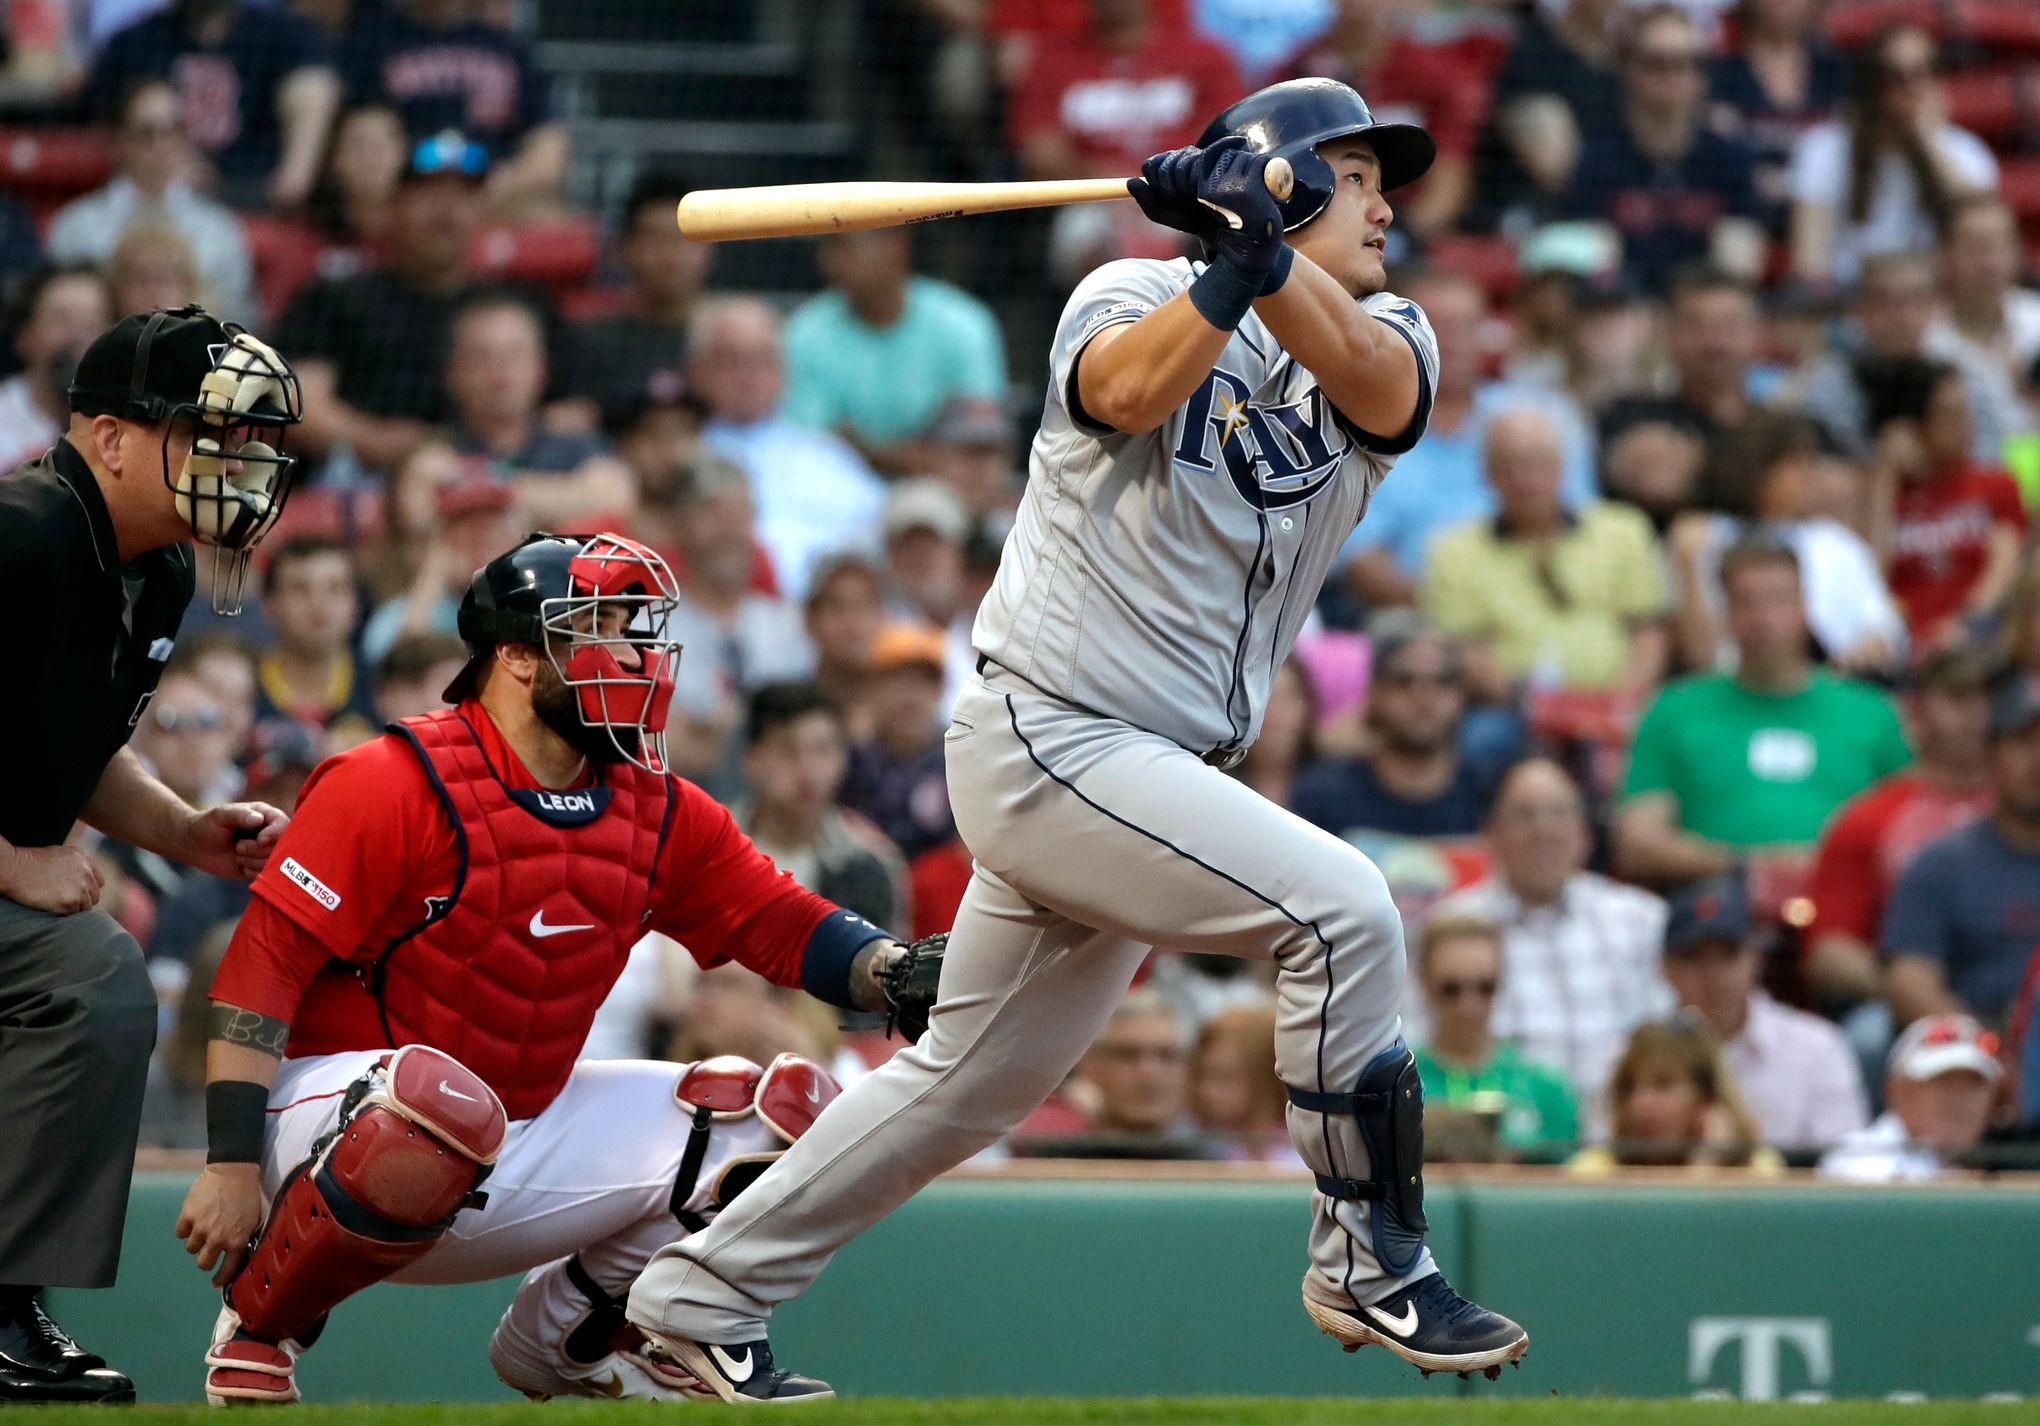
{"x": 88, "y": 640}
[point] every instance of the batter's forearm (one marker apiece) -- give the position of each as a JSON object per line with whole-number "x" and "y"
{"x": 1133, "y": 377}
{"x": 1364, "y": 367}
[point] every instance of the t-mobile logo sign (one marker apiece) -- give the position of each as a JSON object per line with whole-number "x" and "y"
{"x": 1762, "y": 1339}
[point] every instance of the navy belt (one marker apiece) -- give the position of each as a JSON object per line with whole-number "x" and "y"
{"x": 1220, "y": 758}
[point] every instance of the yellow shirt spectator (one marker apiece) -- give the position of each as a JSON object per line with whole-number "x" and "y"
{"x": 1567, "y": 606}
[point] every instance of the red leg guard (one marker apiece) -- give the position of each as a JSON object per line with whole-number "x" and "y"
{"x": 374, "y": 1197}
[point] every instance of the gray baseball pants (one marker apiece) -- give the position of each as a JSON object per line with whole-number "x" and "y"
{"x": 77, "y": 1024}
{"x": 1093, "y": 841}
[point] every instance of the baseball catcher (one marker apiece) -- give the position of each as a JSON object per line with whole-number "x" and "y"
{"x": 393, "y": 1088}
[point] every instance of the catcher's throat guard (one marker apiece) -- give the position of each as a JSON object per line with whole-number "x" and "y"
{"x": 417, "y": 1135}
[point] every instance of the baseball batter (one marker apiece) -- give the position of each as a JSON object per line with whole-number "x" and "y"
{"x": 1213, "y": 432}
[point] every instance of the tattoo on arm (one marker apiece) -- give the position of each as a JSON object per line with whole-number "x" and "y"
{"x": 235, "y": 1026}
{"x": 865, "y": 991}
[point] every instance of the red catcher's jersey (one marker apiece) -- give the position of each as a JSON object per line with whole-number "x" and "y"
{"x": 378, "y": 849}
{"x": 506, "y": 972}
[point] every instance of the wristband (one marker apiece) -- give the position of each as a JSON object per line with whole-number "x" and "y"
{"x": 831, "y": 952}
{"x": 235, "y": 1117}
{"x": 1223, "y": 293}
{"x": 1279, "y": 273}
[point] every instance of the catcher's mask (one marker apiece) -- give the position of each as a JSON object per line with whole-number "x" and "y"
{"x": 232, "y": 395}
{"x": 600, "y": 608}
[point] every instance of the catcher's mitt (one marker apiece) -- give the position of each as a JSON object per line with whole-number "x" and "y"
{"x": 909, "y": 981}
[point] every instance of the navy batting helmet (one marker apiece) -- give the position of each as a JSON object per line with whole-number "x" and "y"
{"x": 1290, "y": 119}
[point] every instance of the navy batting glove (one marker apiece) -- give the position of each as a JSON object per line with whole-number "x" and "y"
{"x": 1167, "y": 191}
{"x": 1235, "y": 184}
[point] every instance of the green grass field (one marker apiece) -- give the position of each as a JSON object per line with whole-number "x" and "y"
{"x": 1080, "y": 1411}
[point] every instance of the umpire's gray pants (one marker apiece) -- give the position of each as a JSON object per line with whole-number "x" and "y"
{"x": 77, "y": 1024}
{"x": 1093, "y": 841}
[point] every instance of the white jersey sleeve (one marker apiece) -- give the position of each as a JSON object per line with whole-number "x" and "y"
{"x": 1118, "y": 292}
{"x": 1407, "y": 320}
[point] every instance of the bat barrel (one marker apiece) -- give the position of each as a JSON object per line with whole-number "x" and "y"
{"x": 712, "y": 215}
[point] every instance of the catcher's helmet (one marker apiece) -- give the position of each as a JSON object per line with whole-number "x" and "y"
{"x": 1290, "y": 119}
{"x": 551, "y": 591}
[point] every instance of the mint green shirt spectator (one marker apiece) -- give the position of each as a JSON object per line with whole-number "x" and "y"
{"x": 1753, "y": 769}
{"x": 1538, "y": 1115}
{"x": 886, "y": 383}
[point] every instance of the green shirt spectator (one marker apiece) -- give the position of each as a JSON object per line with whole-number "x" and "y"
{"x": 1740, "y": 771}
{"x": 1752, "y": 769}
{"x": 874, "y": 357}
{"x": 1537, "y": 1113}
{"x": 1484, "y": 1101}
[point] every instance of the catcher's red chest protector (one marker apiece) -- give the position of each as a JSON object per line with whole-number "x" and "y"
{"x": 554, "y": 888}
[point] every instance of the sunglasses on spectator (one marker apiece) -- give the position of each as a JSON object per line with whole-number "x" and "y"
{"x": 164, "y": 129}
{"x": 1453, "y": 989}
{"x": 1420, "y": 680}
{"x": 1905, "y": 73}
{"x": 189, "y": 720}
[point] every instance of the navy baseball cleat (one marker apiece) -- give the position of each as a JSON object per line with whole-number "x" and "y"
{"x": 1428, "y": 1325}
{"x": 739, "y": 1372}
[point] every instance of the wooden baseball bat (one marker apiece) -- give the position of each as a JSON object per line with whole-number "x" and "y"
{"x": 798, "y": 210}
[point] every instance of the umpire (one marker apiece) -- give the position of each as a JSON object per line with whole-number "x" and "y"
{"x": 176, "y": 420}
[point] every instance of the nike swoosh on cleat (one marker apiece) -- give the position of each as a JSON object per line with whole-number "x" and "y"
{"x": 1402, "y": 1325}
{"x": 450, "y": 1092}
{"x": 737, "y": 1369}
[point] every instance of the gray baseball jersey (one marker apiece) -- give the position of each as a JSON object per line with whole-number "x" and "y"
{"x": 1162, "y": 578}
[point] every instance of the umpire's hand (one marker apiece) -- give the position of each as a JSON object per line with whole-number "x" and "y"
{"x": 234, "y": 839}
{"x": 56, "y": 879}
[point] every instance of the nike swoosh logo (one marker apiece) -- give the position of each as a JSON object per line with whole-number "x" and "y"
{"x": 814, "y": 1094}
{"x": 1402, "y": 1325}
{"x": 450, "y": 1092}
{"x": 541, "y": 930}
{"x": 737, "y": 1369}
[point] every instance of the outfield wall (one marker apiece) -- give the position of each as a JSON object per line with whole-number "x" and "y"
{"x": 1166, "y": 1285}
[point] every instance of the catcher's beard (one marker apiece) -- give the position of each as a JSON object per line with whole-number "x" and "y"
{"x": 558, "y": 706}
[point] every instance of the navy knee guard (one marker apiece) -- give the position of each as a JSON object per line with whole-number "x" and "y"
{"x": 1388, "y": 1105}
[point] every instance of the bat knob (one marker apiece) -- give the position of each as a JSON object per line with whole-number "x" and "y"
{"x": 1280, "y": 178}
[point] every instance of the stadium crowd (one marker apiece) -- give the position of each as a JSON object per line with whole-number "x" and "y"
{"x": 1684, "y": 680}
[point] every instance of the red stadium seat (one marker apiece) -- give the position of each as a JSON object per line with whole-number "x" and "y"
{"x": 2019, "y": 182}
{"x": 1993, "y": 102}
{"x": 285, "y": 254}
{"x": 559, "y": 252}
{"x": 582, "y": 303}
{"x": 1851, "y": 23}
{"x": 1490, "y": 261}
{"x": 49, "y": 166}
{"x": 2000, "y": 27}
{"x": 1480, "y": 54}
